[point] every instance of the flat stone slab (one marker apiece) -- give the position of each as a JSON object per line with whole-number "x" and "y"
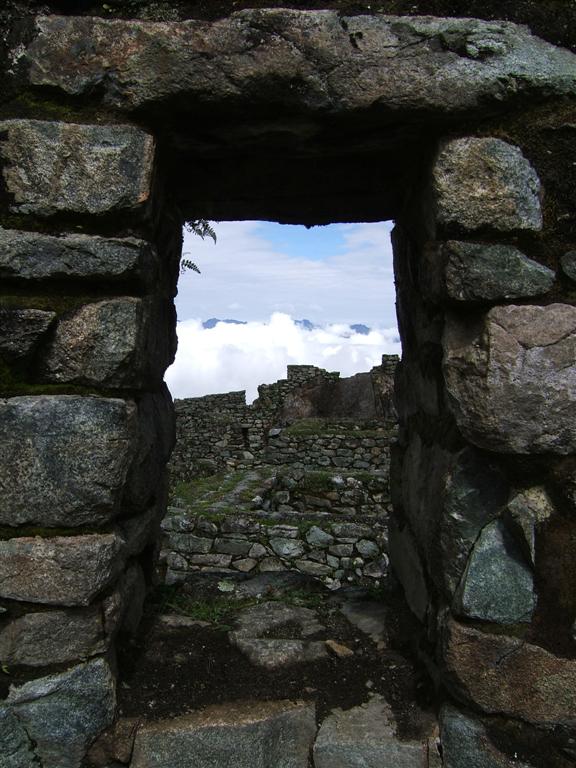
{"x": 51, "y": 167}
{"x": 63, "y": 459}
{"x": 365, "y": 737}
{"x": 272, "y": 734}
{"x": 367, "y": 616}
{"x": 26, "y": 256}
{"x": 253, "y": 624}
{"x": 315, "y": 59}
{"x": 62, "y": 570}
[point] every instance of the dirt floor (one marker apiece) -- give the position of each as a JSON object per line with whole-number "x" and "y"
{"x": 168, "y": 671}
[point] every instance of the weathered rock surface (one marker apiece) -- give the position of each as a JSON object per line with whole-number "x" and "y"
{"x": 506, "y": 675}
{"x": 272, "y": 734}
{"x": 15, "y": 745}
{"x": 63, "y": 570}
{"x": 254, "y": 624}
{"x": 63, "y": 713}
{"x": 305, "y": 58}
{"x": 477, "y": 272}
{"x": 52, "y": 637}
{"x": 485, "y": 182}
{"x": 121, "y": 342}
{"x": 46, "y": 475}
{"x": 28, "y": 256}
{"x": 465, "y": 743}
{"x": 42, "y": 178}
{"x": 475, "y": 492}
{"x": 498, "y": 584}
{"x": 21, "y": 330}
{"x": 511, "y": 379}
{"x": 365, "y": 737}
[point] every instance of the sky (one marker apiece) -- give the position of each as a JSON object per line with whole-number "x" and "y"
{"x": 269, "y": 276}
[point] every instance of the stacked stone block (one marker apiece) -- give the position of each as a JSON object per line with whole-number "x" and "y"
{"x": 86, "y": 425}
{"x": 479, "y": 467}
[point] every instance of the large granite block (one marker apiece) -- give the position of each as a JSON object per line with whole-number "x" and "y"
{"x": 62, "y": 714}
{"x": 51, "y": 168}
{"x": 486, "y": 183}
{"x": 511, "y": 378}
{"x": 62, "y": 570}
{"x": 508, "y": 676}
{"x": 305, "y": 59}
{"x": 63, "y": 459}
{"x": 119, "y": 343}
{"x": 31, "y": 256}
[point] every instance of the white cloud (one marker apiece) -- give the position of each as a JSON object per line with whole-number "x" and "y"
{"x": 249, "y": 277}
{"x": 233, "y": 357}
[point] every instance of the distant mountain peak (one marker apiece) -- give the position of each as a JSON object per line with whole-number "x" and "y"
{"x": 213, "y": 322}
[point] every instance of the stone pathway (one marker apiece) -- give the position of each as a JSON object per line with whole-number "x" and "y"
{"x": 310, "y": 682}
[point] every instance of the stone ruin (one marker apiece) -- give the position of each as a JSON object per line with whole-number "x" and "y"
{"x": 112, "y": 133}
{"x": 309, "y": 462}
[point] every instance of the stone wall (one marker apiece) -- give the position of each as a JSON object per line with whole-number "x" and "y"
{"x": 463, "y": 132}
{"x": 328, "y": 525}
{"x": 216, "y": 432}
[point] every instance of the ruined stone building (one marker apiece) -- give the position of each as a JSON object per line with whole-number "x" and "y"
{"x": 118, "y": 122}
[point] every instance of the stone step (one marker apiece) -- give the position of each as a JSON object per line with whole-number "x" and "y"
{"x": 271, "y": 734}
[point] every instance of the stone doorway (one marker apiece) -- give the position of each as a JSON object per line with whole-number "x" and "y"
{"x": 293, "y": 116}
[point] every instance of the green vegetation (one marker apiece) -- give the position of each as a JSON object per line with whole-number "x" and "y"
{"x": 325, "y": 428}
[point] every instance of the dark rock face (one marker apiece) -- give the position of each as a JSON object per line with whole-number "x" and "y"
{"x": 511, "y": 379}
{"x": 47, "y": 479}
{"x": 21, "y": 331}
{"x": 498, "y": 585}
{"x": 41, "y": 181}
{"x": 478, "y": 272}
{"x": 62, "y": 714}
{"x": 26, "y": 256}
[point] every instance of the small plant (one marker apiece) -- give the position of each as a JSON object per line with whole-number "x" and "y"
{"x": 203, "y": 229}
